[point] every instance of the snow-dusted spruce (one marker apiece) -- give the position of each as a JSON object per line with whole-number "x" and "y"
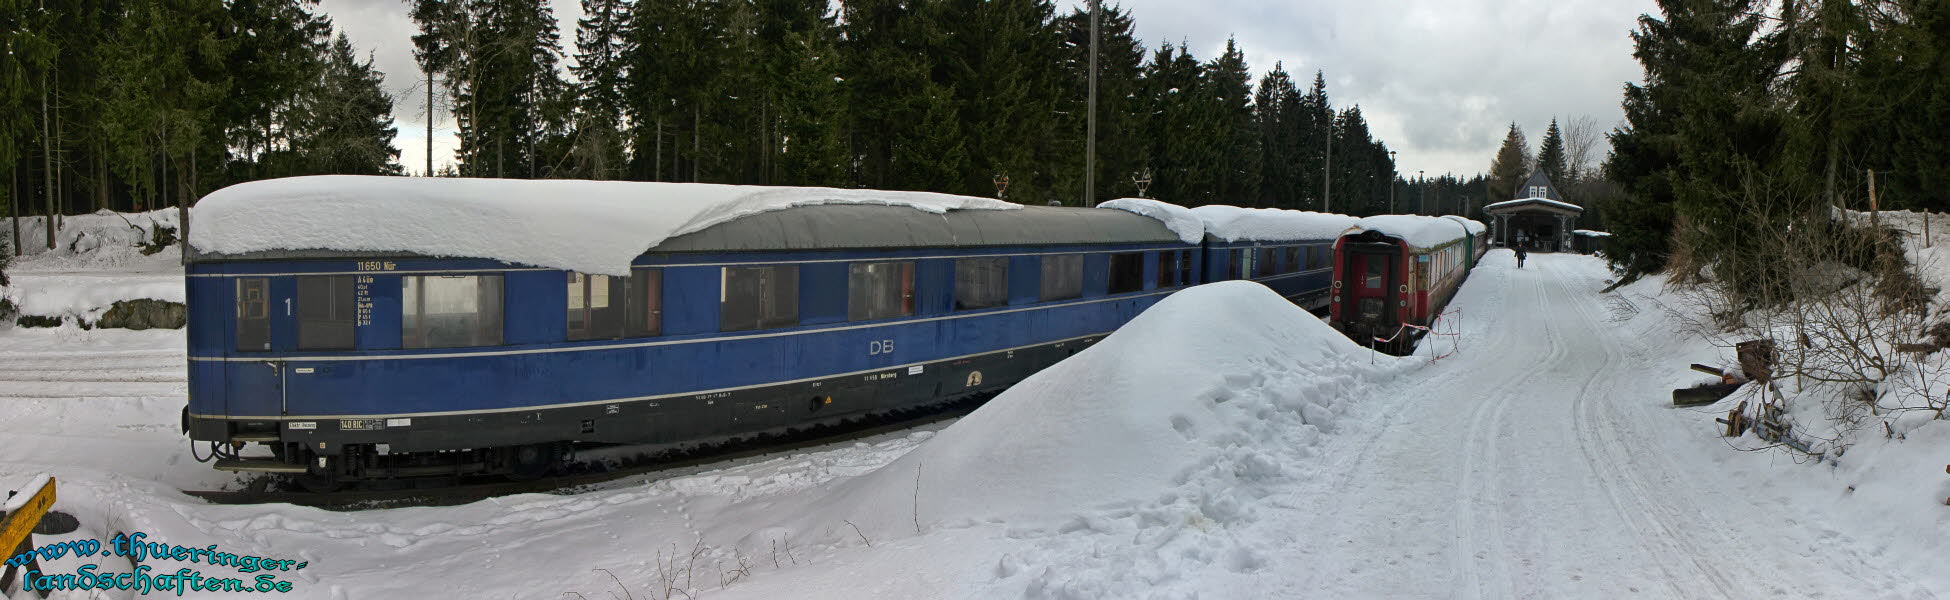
{"x": 586, "y": 226}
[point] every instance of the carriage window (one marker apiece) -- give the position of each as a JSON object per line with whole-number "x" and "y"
{"x": 1242, "y": 263}
{"x": 1167, "y": 269}
{"x": 1318, "y": 256}
{"x": 981, "y": 282}
{"x": 1265, "y": 262}
{"x": 253, "y": 314}
{"x": 450, "y": 311}
{"x": 596, "y": 306}
{"x": 1184, "y": 267}
{"x": 645, "y": 316}
{"x": 1375, "y": 273}
{"x": 1062, "y": 276}
{"x": 1294, "y": 254}
{"x": 880, "y": 290}
{"x": 326, "y": 312}
{"x": 758, "y": 297}
{"x": 1126, "y": 272}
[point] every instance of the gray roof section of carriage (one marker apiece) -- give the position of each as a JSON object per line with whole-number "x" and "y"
{"x": 859, "y": 226}
{"x": 852, "y": 226}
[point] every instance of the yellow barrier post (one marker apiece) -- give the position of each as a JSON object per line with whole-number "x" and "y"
{"x": 19, "y": 515}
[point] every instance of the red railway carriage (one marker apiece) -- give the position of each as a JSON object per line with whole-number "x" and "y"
{"x": 1396, "y": 270}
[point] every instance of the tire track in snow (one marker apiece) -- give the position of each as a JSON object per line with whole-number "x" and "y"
{"x": 1706, "y": 538}
{"x": 1631, "y": 505}
{"x": 1481, "y": 543}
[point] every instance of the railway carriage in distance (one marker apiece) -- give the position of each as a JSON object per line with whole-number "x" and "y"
{"x": 1396, "y": 270}
{"x": 1289, "y": 251}
{"x": 425, "y": 349}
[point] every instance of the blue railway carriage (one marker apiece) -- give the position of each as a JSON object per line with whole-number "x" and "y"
{"x": 1298, "y": 269}
{"x": 363, "y": 365}
{"x": 1289, "y": 251}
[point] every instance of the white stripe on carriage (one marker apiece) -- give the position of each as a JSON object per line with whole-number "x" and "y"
{"x": 645, "y": 398}
{"x": 718, "y": 264}
{"x": 1128, "y": 296}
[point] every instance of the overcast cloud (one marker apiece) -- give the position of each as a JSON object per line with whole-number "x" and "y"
{"x": 1438, "y": 80}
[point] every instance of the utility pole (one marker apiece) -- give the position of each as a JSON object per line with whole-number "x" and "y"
{"x": 1422, "y": 205}
{"x": 1327, "y": 171}
{"x": 1090, "y": 121}
{"x": 1391, "y": 182}
{"x": 429, "y": 123}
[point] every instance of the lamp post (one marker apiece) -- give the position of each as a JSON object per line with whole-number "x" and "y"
{"x": 1090, "y": 144}
{"x": 1327, "y": 172}
{"x": 1391, "y": 182}
{"x": 1422, "y": 205}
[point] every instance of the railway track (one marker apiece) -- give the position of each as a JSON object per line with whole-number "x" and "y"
{"x": 447, "y": 492}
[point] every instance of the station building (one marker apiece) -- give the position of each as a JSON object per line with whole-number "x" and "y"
{"x": 1538, "y": 218}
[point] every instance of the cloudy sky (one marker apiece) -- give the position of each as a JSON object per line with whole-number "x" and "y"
{"x": 1439, "y": 80}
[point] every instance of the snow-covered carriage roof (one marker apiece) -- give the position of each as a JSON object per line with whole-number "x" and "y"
{"x": 1418, "y": 231}
{"x": 1475, "y": 227}
{"x": 1178, "y": 219}
{"x": 600, "y": 226}
{"x": 1236, "y": 224}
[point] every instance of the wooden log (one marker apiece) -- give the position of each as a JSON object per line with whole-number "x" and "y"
{"x": 1714, "y": 371}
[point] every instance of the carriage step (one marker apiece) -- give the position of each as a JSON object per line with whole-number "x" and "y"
{"x": 266, "y": 436}
{"x": 258, "y": 465}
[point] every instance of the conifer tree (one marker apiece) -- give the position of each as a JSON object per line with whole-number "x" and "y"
{"x": 1238, "y": 158}
{"x": 1550, "y": 155}
{"x": 348, "y": 126}
{"x": 596, "y": 142}
{"x": 1508, "y": 170}
{"x": 1275, "y": 106}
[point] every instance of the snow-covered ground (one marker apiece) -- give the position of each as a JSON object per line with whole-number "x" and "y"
{"x": 1223, "y": 445}
{"x": 97, "y": 261}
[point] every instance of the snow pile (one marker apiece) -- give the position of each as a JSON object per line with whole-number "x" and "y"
{"x": 86, "y": 296}
{"x": 1419, "y": 231}
{"x": 1179, "y": 219}
{"x": 1590, "y": 233}
{"x": 1236, "y": 224}
{"x": 1166, "y": 435}
{"x": 587, "y": 226}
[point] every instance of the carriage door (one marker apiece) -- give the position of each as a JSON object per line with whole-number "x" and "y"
{"x": 1373, "y": 276}
{"x": 255, "y": 388}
